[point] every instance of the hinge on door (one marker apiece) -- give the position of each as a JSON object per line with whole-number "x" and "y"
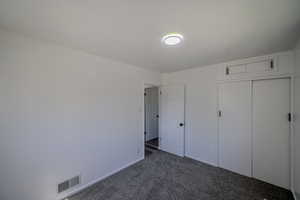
{"x": 160, "y": 92}
{"x": 145, "y": 94}
{"x": 220, "y": 113}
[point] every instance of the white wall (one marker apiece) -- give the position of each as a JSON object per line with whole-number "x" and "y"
{"x": 63, "y": 113}
{"x": 297, "y": 122}
{"x": 201, "y": 133}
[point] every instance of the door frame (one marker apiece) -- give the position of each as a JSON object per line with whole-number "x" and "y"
{"x": 143, "y": 113}
{"x": 292, "y": 134}
{"x": 158, "y": 102}
{"x": 159, "y": 120}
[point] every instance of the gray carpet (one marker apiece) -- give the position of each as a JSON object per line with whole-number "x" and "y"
{"x": 162, "y": 176}
{"x": 153, "y": 142}
{"x": 147, "y": 151}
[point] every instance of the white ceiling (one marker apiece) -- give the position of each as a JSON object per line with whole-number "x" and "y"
{"x": 130, "y": 31}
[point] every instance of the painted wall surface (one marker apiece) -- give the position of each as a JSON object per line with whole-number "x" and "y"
{"x": 201, "y": 134}
{"x": 297, "y": 122}
{"x": 62, "y": 113}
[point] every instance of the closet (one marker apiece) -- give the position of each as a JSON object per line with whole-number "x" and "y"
{"x": 271, "y": 130}
{"x": 235, "y": 127}
{"x": 254, "y": 123}
{"x": 254, "y": 129}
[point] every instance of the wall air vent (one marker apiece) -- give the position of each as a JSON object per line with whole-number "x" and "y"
{"x": 68, "y": 184}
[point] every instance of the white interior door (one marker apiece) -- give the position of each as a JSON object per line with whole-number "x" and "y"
{"x": 235, "y": 127}
{"x": 271, "y": 131}
{"x": 171, "y": 126}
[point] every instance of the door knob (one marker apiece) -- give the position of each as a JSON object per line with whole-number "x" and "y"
{"x": 181, "y": 124}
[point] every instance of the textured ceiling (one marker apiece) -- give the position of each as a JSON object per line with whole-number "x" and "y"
{"x": 130, "y": 31}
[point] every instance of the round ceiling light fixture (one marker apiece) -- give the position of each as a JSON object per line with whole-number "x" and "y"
{"x": 172, "y": 39}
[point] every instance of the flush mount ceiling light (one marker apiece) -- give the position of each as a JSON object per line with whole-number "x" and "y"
{"x": 172, "y": 39}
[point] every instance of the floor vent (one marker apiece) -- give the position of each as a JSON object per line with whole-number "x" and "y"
{"x": 68, "y": 184}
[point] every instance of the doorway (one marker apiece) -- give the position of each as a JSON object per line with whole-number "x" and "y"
{"x": 151, "y": 109}
{"x": 164, "y": 118}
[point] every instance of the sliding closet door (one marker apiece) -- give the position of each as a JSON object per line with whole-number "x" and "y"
{"x": 271, "y": 131}
{"x": 235, "y": 127}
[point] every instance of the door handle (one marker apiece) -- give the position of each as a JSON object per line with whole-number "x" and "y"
{"x": 272, "y": 64}
{"x": 219, "y": 113}
{"x": 290, "y": 117}
{"x": 181, "y": 124}
{"x": 227, "y": 71}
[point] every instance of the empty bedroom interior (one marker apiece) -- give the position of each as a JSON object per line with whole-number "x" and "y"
{"x": 117, "y": 100}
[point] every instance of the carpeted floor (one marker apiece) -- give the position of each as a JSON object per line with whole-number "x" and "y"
{"x": 147, "y": 151}
{"x": 153, "y": 142}
{"x": 162, "y": 176}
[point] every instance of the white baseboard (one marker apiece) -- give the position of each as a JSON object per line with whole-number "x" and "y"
{"x": 203, "y": 161}
{"x": 296, "y": 197}
{"x": 67, "y": 194}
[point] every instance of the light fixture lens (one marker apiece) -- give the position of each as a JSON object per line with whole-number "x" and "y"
{"x": 172, "y": 39}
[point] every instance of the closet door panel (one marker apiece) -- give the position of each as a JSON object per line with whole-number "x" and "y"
{"x": 235, "y": 127}
{"x": 271, "y": 131}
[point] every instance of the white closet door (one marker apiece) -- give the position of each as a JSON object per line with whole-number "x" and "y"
{"x": 171, "y": 126}
{"x": 271, "y": 131}
{"x": 235, "y": 127}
